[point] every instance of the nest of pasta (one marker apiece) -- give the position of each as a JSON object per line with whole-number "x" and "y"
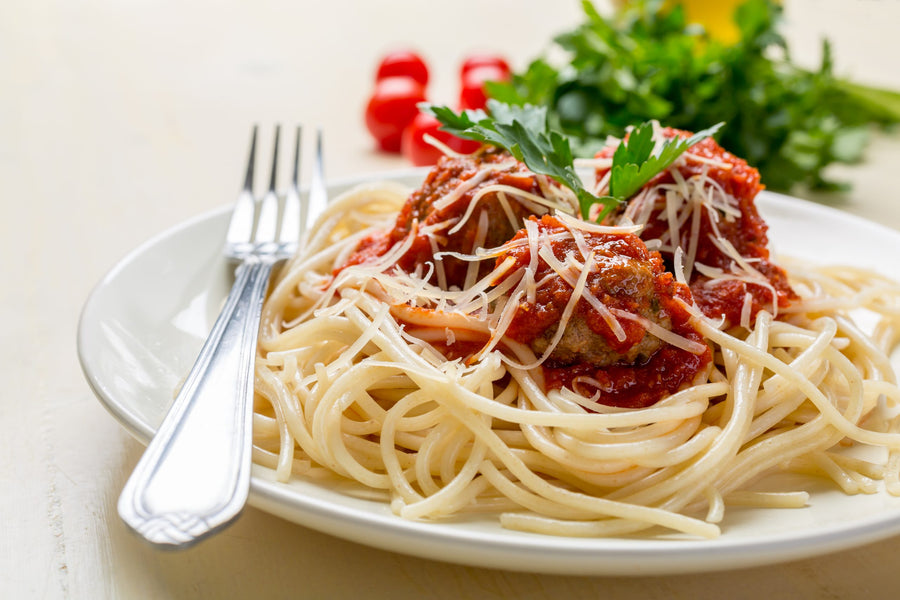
{"x": 473, "y": 346}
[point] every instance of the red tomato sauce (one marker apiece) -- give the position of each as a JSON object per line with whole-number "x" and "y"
{"x": 368, "y": 250}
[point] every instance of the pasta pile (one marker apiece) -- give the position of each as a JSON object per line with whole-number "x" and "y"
{"x": 345, "y": 390}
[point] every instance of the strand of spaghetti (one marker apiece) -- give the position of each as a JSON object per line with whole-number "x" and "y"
{"x": 788, "y": 401}
{"x": 326, "y": 419}
{"x": 661, "y": 438}
{"x": 892, "y": 467}
{"x": 600, "y": 506}
{"x": 435, "y": 503}
{"x": 782, "y": 446}
{"x": 458, "y": 449}
{"x": 389, "y": 455}
{"x": 427, "y": 460}
{"x": 768, "y": 499}
{"x": 524, "y": 498}
{"x": 848, "y": 484}
{"x": 559, "y": 527}
{"x": 777, "y": 448}
{"x": 589, "y": 482}
{"x": 371, "y": 196}
{"x": 881, "y": 361}
{"x": 871, "y": 470}
{"x": 286, "y": 442}
{"x": 540, "y": 439}
{"x": 876, "y": 388}
{"x": 264, "y": 426}
{"x": 779, "y": 397}
{"x": 294, "y": 417}
{"x": 716, "y": 505}
{"x": 822, "y": 404}
{"x": 583, "y": 421}
{"x": 478, "y": 496}
{"x": 288, "y": 279}
{"x": 563, "y": 446}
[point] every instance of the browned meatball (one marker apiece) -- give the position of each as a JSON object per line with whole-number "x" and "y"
{"x": 610, "y": 343}
{"x": 428, "y": 207}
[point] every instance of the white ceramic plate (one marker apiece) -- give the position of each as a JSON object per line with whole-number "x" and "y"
{"x": 144, "y": 323}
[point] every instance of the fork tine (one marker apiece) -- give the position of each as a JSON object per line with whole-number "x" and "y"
{"x": 240, "y": 229}
{"x": 318, "y": 197}
{"x": 268, "y": 212}
{"x": 251, "y": 162}
{"x": 293, "y": 218}
{"x": 295, "y": 175}
{"x": 274, "y": 159}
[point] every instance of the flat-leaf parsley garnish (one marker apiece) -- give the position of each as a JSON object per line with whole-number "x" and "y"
{"x": 635, "y": 162}
{"x": 523, "y": 131}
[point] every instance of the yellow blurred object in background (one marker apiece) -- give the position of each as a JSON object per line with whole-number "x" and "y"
{"x": 717, "y": 16}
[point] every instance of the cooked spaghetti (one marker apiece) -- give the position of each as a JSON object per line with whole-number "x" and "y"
{"x": 473, "y": 346}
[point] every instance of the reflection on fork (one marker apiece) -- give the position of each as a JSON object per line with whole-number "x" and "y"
{"x": 194, "y": 477}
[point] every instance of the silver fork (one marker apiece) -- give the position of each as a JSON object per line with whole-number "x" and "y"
{"x": 194, "y": 477}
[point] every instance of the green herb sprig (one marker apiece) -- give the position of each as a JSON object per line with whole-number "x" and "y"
{"x": 648, "y": 62}
{"x": 523, "y": 131}
{"x": 635, "y": 162}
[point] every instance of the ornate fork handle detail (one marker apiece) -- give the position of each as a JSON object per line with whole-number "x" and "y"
{"x": 194, "y": 476}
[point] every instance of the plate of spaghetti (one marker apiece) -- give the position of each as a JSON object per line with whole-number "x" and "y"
{"x": 458, "y": 366}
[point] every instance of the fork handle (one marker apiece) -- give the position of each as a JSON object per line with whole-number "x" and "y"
{"x": 194, "y": 477}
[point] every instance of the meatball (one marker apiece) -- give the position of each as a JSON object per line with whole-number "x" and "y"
{"x": 606, "y": 335}
{"x": 729, "y": 223}
{"x": 437, "y": 221}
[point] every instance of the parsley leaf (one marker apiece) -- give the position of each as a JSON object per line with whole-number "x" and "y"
{"x": 635, "y": 163}
{"x": 523, "y": 132}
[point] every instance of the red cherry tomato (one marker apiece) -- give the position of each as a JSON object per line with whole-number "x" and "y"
{"x": 403, "y": 63}
{"x": 472, "y": 94}
{"x": 419, "y": 152}
{"x": 391, "y": 108}
{"x": 484, "y": 60}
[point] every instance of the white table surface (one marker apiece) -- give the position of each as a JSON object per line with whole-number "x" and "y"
{"x": 121, "y": 119}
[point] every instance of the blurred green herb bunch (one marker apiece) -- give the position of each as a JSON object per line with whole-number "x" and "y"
{"x": 648, "y": 62}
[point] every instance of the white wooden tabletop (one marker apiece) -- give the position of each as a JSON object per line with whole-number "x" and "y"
{"x": 119, "y": 119}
